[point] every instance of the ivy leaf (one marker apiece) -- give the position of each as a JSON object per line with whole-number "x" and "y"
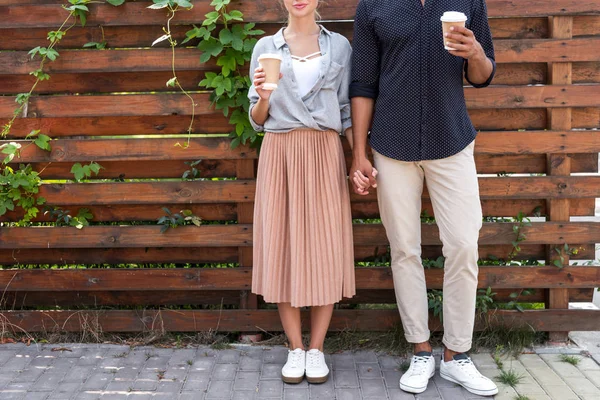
{"x": 225, "y": 36}
{"x": 34, "y": 51}
{"x": 43, "y": 142}
{"x": 51, "y": 54}
{"x": 219, "y": 4}
{"x": 115, "y": 2}
{"x": 171, "y": 82}
{"x": 161, "y": 39}
{"x": 95, "y": 167}
{"x": 158, "y": 4}
{"x": 184, "y": 4}
{"x": 96, "y": 45}
{"x": 558, "y": 263}
{"x": 211, "y": 18}
{"x": 236, "y": 15}
{"x": 196, "y": 33}
{"x": 77, "y": 171}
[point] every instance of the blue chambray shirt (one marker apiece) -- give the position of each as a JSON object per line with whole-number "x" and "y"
{"x": 400, "y": 61}
{"x": 326, "y": 106}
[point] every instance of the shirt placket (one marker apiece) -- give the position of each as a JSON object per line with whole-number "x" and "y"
{"x": 424, "y": 78}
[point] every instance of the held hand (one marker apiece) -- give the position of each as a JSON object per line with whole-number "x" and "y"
{"x": 363, "y": 176}
{"x": 259, "y": 79}
{"x": 467, "y": 45}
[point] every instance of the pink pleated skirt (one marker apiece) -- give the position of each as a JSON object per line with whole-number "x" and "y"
{"x": 303, "y": 248}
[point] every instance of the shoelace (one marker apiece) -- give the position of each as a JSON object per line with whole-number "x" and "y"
{"x": 468, "y": 367}
{"x": 296, "y": 360}
{"x": 418, "y": 364}
{"x": 313, "y": 360}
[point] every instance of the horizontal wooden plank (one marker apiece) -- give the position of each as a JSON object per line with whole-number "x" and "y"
{"x": 179, "y": 104}
{"x": 586, "y": 118}
{"x": 268, "y": 320}
{"x": 207, "y": 212}
{"x": 18, "y": 300}
{"x": 243, "y": 191}
{"x": 241, "y": 235}
{"x": 586, "y": 72}
{"x": 142, "y": 36}
{"x": 547, "y": 50}
{"x": 241, "y": 279}
{"x": 69, "y": 150}
{"x": 510, "y": 119}
{"x": 586, "y": 25}
{"x": 120, "y": 170}
{"x": 135, "y": 257}
{"x": 534, "y": 96}
{"x": 50, "y": 15}
{"x": 537, "y": 142}
{"x": 119, "y": 126}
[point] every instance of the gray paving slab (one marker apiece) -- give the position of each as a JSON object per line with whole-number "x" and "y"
{"x": 118, "y": 372}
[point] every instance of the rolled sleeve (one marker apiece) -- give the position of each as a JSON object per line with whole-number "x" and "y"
{"x": 481, "y": 29}
{"x": 252, "y": 93}
{"x": 343, "y": 93}
{"x": 365, "y": 56}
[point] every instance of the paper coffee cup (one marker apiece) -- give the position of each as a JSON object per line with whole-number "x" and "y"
{"x": 271, "y": 63}
{"x": 450, "y": 19}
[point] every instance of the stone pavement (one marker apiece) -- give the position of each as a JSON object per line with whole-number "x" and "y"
{"x": 87, "y": 371}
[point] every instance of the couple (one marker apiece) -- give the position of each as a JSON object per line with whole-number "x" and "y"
{"x": 407, "y": 91}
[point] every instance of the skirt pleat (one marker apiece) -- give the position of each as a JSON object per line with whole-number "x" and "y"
{"x": 303, "y": 251}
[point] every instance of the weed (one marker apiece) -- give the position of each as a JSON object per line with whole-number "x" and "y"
{"x": 573, "y": 360}
{"x": 161, "y": 374}
{"x": 190, "y": 362}
{"x": 521, "y": 397}
{"x": 121, "y": 355}
{"x": 404, "y": 365}
{"x": 509, "y": 377}
{"x": 498, "y": 356}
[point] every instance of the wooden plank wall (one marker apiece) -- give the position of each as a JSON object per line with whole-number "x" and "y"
{"x": 538, "y": 124}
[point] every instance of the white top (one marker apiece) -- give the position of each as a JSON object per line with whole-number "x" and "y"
{"x": 306, "y": 70}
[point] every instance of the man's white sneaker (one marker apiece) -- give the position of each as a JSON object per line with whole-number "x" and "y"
{"x": 462, "y": 371}
{"x": 422, "y": 368}
{"x": 316, "y": 368}
{"x": 293, "y": 370}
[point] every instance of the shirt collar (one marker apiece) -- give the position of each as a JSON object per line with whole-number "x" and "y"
{"x": 279, "y": 40}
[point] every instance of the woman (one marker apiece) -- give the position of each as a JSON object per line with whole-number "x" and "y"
{"x": 303, "y": 251}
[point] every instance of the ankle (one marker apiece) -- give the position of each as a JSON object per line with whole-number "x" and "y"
{"x": 419, "y": 347}
{"x": 449, "y": 354}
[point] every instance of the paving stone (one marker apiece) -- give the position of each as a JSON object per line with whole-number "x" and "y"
{"x": 191, "y": 396}
{"x": 17, "y": 363}
{"x": 270, "y": 371}
{"x": 270, "y": 388}
{"x": 65, "y": 388}
{"x": 560, "y": 392}
{"x": 248, "y": 363}
{"x": 126, "y": 374}
{"x": 224, "y": 372}
{"x": 296, "y": 394}
{"x": 19, "y": 386}
{"x": 245, "y": 395}
{"x": 561, "y": 368}
{"x": 145, "y": 384}
{"x": 373, "y": 388}
{"x": 182, "y": 357}
{"x": 28, "y": 375}
{"x": 343, "y": 361}
{"x": 365, "y": 356}
{"x": 219, "y": 390}
{"x": 246, "y": 380}
{"x": 90, "y": 358}
{"x": 529, "y": 388}
{"x": 157, "y": 362}
{"x": 228, "y": 356}
{"x": 452, "y": 393}
{"x": 324, "y": 391}
{"x": 483, "y": 360}
{"x": 345, "y": 379}
{"x": 370, "y": 370}
{"x": 389, "y": 362}
{"x": 8, "y": 394}
{"x": 203, "y": 364}
{"x": 97, "y": 381}
{"x": 302, "y": 385}
{"x": 348, "y": 394}
{"x": 593, "y": 376}
{"x": 582, "y": 386}
{"x": 169, "y": 387}
{"x": 399, "y": 394}
{"x": 6, "y": 355}
{"x": 122, "y": 386}
{"x": 196, "y": 381}
{"x": 441, "y": 382}
{"x": 430, "y": 393}
{"x": 392, "y": 379}
{"x": 276, "y": 355}
{"x": 47, "y": 382}
{"x": 37, "y": 395}
{"x": 545, "y": 376}
{"x": 135, "y": 358}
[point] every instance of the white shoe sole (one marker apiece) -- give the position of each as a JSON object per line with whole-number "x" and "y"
{"x": 416, "y": 390}
{"x": 478, "y": 392}
{"x": 317, "y": 379}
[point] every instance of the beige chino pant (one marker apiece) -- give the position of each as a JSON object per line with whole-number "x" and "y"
{"x": 454, "y": 192}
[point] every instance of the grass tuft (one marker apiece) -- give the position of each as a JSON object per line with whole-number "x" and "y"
{"x": 573, "y": 360}
{"x": 509, "y": 377}
{"x": 521, "y": 397}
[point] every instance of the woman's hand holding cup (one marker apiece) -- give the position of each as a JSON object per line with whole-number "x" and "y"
{"x": 259, "y": 79}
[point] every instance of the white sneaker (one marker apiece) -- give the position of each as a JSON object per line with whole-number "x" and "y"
{"x": 462, "y": 371}
{"x": 316, "y": 368}
{"x": 293, "y": 370}
{"x": 422, "y": 368}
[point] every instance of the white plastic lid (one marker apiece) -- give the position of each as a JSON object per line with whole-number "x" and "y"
{"x": 453, "y": 16}
{"x": 270, "y": 55}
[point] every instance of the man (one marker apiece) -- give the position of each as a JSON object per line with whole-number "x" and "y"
{"x": 407, "y": 90}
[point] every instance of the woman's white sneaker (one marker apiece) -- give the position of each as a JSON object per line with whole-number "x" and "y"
{"x": 293, "y": 370}
{"x": 316, "y": 368}
{"x": 462, "y": 371}
{"x": 422, "y": 368}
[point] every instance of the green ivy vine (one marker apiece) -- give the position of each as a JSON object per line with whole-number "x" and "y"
{"x": 232, "y": 47}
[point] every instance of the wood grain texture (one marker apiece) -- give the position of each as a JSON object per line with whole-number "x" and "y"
{"x": 268, "y": 320}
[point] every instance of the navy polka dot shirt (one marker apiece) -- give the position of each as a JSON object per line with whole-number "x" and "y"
{"x": 399, "y": 60}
